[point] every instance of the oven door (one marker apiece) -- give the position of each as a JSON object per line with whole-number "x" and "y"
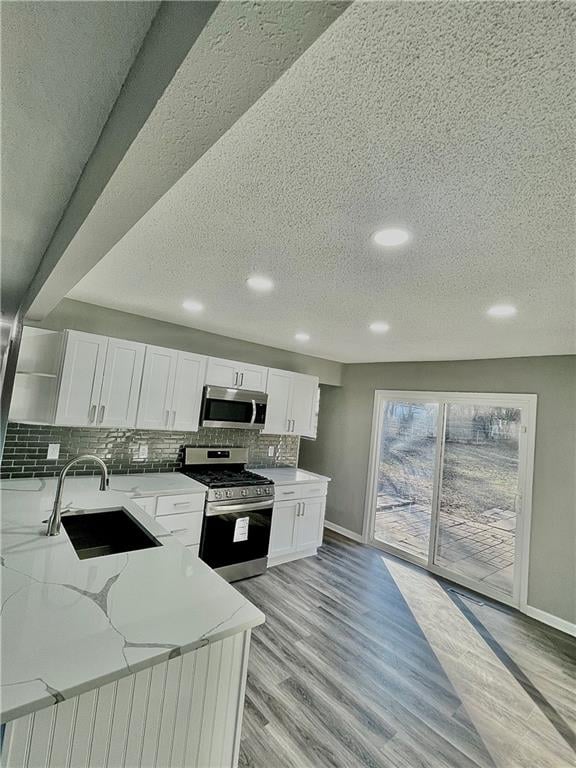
{"x": 236, "y": 537}
{"x": 236, "y": 408}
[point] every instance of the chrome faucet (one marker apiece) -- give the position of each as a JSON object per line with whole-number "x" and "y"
{"x": 56, "y": 516}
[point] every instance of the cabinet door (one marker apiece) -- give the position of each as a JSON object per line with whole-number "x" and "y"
{"x": 279, "y": 390}
{"x": 190, "y": 374}
{"x": 146, "y": 503}
{"x": 310, "y": 523}
{"x": 252, "y": 377}
{"x": 81, "y": 379}
{"x": 221, "y": 373}
{"x": 121, "y": 384}
{"x": 283, "y": 529}
{"x": 303, "y": 405}
{"x": 154, "y": 408}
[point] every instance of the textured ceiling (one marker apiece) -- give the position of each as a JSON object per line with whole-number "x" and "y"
{"x": 234, "y": 55}
{"x": 63, "y": 65}
{"x": 454, "y": 120}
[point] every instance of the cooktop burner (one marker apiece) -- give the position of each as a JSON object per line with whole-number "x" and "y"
{"x": 225, "y": 476}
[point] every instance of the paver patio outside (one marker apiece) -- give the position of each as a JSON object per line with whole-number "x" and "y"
{"x": 482, "y": 548}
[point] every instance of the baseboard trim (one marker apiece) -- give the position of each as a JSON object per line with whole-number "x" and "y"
{"x": 291, "y": 556}
{"x": 343, "y": 531}
{"x": 553, "y": 621}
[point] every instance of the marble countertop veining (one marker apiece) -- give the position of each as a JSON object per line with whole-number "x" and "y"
{"x": 143, "y": 484}
{"x": 71, "y": 625}
{"x": 290, "y": 475}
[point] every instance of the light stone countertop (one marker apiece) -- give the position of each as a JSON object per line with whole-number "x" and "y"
{"x": 289, "y": 475}
{"x": 144, "y": 484}
{"x": 71, "y": 625}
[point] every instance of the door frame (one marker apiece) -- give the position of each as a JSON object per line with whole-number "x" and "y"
{"x": 528, "y": 404}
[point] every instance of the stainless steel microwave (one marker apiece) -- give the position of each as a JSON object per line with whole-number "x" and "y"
{"x": 233, "y": 408}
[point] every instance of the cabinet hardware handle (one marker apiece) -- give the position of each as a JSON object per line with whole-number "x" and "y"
{"x": 173, "y": 419}
{"x": 92, "y": 413}
{"x": 167, "y": 417}
{"x": 288, "y": 493}
{"x": 181, "y": 503}
{"x": 241, "y": 379}
{"x": 102, "y": 409}
{"x": 235, "y": 378}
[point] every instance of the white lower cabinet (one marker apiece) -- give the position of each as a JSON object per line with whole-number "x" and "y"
{"x": 148, "y": 504}
{"x": 310, "y": 524}
{"x": 180, "y": 514}
{"x": 297, "y": 525}
{"x": 186, "y": 527}
{"x": 186, "y": 711}
{"x": 283, "y": 530}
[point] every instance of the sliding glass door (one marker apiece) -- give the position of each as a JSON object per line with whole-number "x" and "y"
{"x": 449, "y": 474}
{"x": 406, "y": 476}
{"x": 479, "y": 493}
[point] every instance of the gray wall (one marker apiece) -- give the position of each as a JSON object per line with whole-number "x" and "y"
{"x": 80, "y": 316}
{"x": 342, "y": 451}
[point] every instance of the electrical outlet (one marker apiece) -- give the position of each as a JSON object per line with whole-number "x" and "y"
{"x": 271, "y": 451}
{"x": 142, "y": 451}
{"x": 53, "y": 451}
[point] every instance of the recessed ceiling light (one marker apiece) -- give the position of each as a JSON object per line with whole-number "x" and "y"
{"x": 193, "y": 306}
{"x": 502, "y": 310}
{"x": 391, "y": 236}
{"x": 302, "y": 336}
{"x": 260, "y": 283}
{"x": 379, "y": 327}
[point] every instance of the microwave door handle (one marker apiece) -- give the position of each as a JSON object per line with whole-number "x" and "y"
{"x": 253, "y": 419}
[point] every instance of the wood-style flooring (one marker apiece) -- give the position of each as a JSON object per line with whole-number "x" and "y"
{"x": 367, "y": 661}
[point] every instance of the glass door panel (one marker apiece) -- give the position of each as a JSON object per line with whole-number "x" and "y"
{"x": 405, "y": 476}
{"x": 477, "y": 511}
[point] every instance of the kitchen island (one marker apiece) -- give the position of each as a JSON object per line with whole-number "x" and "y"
{"x": 137, "y": 658}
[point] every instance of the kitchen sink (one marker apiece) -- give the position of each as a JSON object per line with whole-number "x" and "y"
{"x": 106, "y": 532}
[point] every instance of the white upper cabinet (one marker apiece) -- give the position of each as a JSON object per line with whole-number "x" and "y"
{"x": 99, "y": 381}
{"x": 304, "y": 401}
{"x": 221, "y": 373}
{"x": 121, "y": 384}
{"x": 171, "y": 391}
{"x": 279, "y": 396}
{"x": 292, "y": 399}
{"x": 252, "y": 377}
{"x": 155, "y": 407}
{"x": 81, "y": 379}
{"x": 187, "y": 399}
{"x": 228, "y": 373}
{"x": 78, "y": 379}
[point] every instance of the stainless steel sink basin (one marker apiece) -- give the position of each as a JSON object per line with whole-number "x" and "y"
{"x": 106, "y": 532}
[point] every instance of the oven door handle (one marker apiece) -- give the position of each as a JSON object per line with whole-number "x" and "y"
{"x": 223, "y": 509}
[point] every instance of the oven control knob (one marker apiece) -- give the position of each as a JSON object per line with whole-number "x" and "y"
{"x": 258, "y": 491}
{"x": 217, "y": 494}
{"x": 244, "y": 492}
{"x": 229, "y": 494}
{"x": 268, "y": 491}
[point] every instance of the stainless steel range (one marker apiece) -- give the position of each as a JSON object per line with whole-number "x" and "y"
{"x": 237, "y": 513}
